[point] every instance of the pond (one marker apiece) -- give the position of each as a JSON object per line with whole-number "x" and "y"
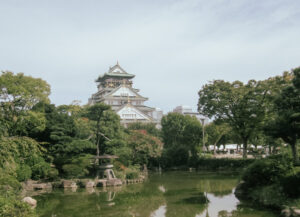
{"x": 169, "y": 194}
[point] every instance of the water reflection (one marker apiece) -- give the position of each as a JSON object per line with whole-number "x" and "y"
{"x": 160, "y": 212}
{"x": 219, "y": 204}
{"x": 166, "y": 195}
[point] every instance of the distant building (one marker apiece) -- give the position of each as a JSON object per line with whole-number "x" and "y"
{"x": 115, "y": 89}
{"x": 187, "y": 110}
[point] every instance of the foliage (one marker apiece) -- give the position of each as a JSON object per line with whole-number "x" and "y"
{"x": 290, "y": 185}
{"x": 10, "y": 204}
{"x": 18, "y": 94}
{"x": 221, "y": 164}
{"x": 23, "y": 173}
{"x": 22, "y": 158}
{"x": 95, "y": 113}
{"x": 285, "y": 122}
{"x": 79, "y": 166}
{"x": 267, "y": 171}
{"x": 149, "y": 127}
{"x": 40, "y": 170}
{"x": 132, "y": 175}
{"x": 182, "y": 135}
{"x": 240, "y": 105}
{"x": 216, "y": 131}
{"x": 145, "y": 148}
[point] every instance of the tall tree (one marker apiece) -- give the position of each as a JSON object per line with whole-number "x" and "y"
{"x": 182, "y": 136}
{"x": 95, "y": 113}
{"x": 240, "y": 105}
{"x": 285, "y": 123}
{"x": 216, "y": 131}
{"x": 18, "y": 94}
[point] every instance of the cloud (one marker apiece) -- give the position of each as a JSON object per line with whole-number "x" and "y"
{"x": 173, "y": 47}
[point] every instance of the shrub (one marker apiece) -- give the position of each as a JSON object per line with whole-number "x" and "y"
{"x": 52, "y": 174}
{"x": 12, "y": 206}
{"x": 267, "y": 171}
{"x": 291, "y": 185}
{"x": 132, "y": 175}
{"x": 73, "y": 170}
{"x": 23, "y": 173}
{"x": 223, "y": 163}
{"x": 40, "y": 170}
{"x": 132, "y": 172}
{"x": 8, "y": 184}
{"x": 10, "y": 203}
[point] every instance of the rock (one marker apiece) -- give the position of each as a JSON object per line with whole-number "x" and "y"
{"x": 42, "y": 186}
{"x": 286, "y": 212}
{"x": 113, "y": 182}
{"x": 69, "y": 184}
{"x": 90, "y": 184}
{"x": 29, "y": 200}
{"x": 296, "y": 212}
{"x": 101, "y": 183}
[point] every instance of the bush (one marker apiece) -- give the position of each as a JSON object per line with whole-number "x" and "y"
{"x": 132, "y": 172}
{"x": 73, "y": 170}
{"x": 40, "y": 170}
{"x": 52, "y": 174}
{"x": 23, "y": 173}
{"x": 291, "y": 185}
{"x": 8, "y": 184}
{"x": 267, "y": 171}
{"x": 175, "y": 156}
{"x": 132, "y": 175}
{"x": 10, "y": 204}
{"x": 13, "y": 207}
{"x": 220, "y": 164}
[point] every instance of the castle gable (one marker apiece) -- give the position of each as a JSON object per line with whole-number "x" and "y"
{"x": 129, "y": 112}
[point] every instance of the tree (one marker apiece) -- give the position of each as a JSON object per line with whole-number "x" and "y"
{"x": 181, "y": 136}
{"x": 216, "y": 131}
{"x": 18, "y": 94}
{"x": 146, "y": 148}
{"x": 240, "y": 105}
{"x": 95, "y": 113}
{"x": 149, "y": 127}
{"x": 285, "y": 123}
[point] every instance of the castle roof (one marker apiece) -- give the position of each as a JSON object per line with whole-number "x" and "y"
{"x": 130, "y": 112}
{"x": 124, "y": 91}
{"x": 115, "y": 71}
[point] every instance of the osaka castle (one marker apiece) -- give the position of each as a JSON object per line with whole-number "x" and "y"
{"x": 115, "y": 89}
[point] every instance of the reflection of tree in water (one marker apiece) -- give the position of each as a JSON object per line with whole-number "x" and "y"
{"x": 184, "y": 192}
{"x": 185, "y": 202}
{"x": 245, "y": 211}
{"x": 218, "y": 187}
{"x": 177, "y": 194}
{"x": 134, "y": 200}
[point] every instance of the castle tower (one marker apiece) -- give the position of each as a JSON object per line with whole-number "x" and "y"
{"x": 115, "y": 89}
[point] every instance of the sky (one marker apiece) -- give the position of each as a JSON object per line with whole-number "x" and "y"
{"x": 173, "y": 47}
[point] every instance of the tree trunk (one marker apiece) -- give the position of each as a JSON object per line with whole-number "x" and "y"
{"x": 295, "y": 152}
{"x": 215, "y": 151}
{"x": 245, "y": 144}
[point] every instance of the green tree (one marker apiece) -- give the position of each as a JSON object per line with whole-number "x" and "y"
{"x": 240, "y": 105}
{"x": 18, "y": 94}
{"x": 95, "y": 113}
{"x": 149, "y": 127}
{"x": 146, "y": 149}
{"x": 182, "y": 136}
{"x": 286, "y": 122}
{"x": 216, "y": 131}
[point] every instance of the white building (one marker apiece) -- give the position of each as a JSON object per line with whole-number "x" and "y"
{"x": 115, "y": 89}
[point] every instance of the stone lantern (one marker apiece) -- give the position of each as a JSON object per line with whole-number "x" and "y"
{"x": 105, "y": 170}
